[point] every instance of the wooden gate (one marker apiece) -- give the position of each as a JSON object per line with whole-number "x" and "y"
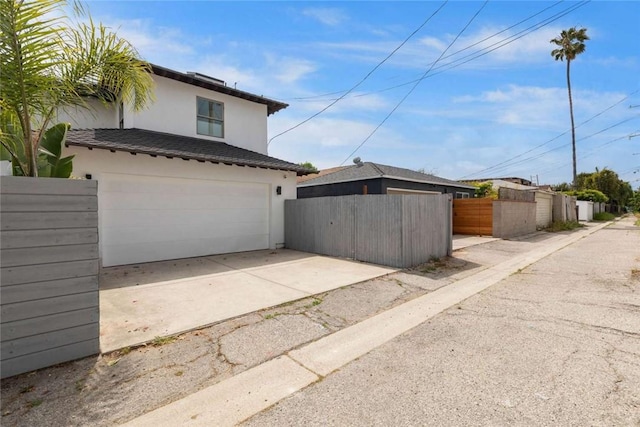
{"x": 473, "y": 216}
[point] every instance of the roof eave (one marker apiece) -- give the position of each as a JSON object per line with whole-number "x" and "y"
{"x": 218, "y": 160}
{"x": 273, "y": 106}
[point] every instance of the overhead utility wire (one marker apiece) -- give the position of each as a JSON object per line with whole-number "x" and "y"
{"x": 365, "y": 77}
{"x": 484, "y": 51}
{"x": 314, "y": 97}
{"x": 556, "y": 165}
{"x": 552, "y": 139}
{"x": 416, "y": 84}
{"x": 565, "y": 145}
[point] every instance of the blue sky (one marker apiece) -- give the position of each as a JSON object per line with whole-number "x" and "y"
{"x": 498, "y": 114}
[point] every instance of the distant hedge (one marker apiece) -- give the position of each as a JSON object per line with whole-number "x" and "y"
{"x": 589, "y": 195}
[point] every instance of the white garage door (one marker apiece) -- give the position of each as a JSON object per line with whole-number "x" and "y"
{"x": 544, "y": 205}
{"x": 156, "y": 218}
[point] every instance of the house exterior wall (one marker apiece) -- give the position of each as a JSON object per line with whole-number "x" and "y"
{"x": 101, "y": 164}
{"x": 375, "y": 186}
{"x": 174, "y": 112}
{"x": 421, "y": 186}
{"x": 94, "y": 115}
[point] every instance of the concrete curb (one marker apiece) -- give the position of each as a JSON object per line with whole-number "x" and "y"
{"x": 236, "y": 399}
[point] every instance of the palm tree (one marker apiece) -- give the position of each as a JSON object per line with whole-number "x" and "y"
{"x": 49, "y": 62}
{"x": 570, "y": 44}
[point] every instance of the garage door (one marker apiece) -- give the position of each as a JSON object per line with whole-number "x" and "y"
{"x": 156, "y": 218}
{"x": 544, "y": 204}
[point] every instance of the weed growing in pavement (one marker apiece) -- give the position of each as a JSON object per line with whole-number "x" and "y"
{"x": 315, "y": 302}
{"x": 34, "y": 403}
{"x": 432, "y": 265}
{"x": 272, "y": 315}
{"x": 27, "y": 389}
{"x": 159, "y": 341}
{"x": 603, "y": 216}
{"x": 635, "y": 273}
{"x": 178, "y": 373}
{"x": 563, "y": 226}
{"x": 428, "y": 269}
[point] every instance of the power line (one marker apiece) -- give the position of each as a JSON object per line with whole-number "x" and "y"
{"x": 484, "y": 51}
{"x": 566, "y": 145}
{"x": 416, "y": 84}
{"x": 315, "y": 97}
{"x": 364, "y": 78}
{"x": 585, "y": 155}
{"x": 497, "y": 165}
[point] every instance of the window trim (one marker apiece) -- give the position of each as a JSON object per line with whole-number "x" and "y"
{"x": 462, "y": 194}
{"x": 209, "y": 118}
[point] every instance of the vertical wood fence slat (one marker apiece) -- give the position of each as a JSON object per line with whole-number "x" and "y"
{"x": 395, "y": 230}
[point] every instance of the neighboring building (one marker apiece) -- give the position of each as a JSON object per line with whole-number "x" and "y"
{"x": 374, "y": 178}
{"x": 513, "y": 180}
{"x": 189, "y": 176}
{"x": 543, "y": 199}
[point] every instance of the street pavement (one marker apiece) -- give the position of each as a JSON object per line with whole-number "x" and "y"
{"x": 538, "y": 331}
{"x": 557, "y": 343}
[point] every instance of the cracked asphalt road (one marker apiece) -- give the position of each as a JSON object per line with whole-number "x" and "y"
{"x": 556, "y": 344}
{"x": 501, "y": 353}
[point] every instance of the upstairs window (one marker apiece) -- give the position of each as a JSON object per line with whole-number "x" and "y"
{"x": 210, "y": 118}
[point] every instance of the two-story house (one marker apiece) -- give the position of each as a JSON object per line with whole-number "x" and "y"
{"x": 189, "y": 176}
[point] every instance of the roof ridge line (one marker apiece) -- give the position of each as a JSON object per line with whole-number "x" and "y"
{"x": 375, "y": 166}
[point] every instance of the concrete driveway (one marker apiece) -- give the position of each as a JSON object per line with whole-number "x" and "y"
{"x": 143, "y": 301}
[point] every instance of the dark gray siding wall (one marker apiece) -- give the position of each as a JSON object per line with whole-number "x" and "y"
{"x": 48, "y": 272}
{"x": 408, "y": 185}
{"x": 374, "y": 186}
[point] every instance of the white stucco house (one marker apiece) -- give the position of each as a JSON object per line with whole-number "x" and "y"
{"x": 189, "y": 176}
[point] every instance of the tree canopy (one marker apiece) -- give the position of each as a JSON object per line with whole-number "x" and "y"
{"x": 309, "y": 165}
{"x": 48, "y": 62}
{"x": 608, "y": 182}
{"x": 570, "y": 44}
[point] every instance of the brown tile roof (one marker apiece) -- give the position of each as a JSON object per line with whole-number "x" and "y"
{"x": 169, "y": 145}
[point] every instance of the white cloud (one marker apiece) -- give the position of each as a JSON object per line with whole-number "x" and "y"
{"x": 500, "y": 50}
{"x": 326, "y": 16}
{"x": 326, "y": 141}
{"x": 149, "y": 40}
{"x": 288, "y": 70}
{"x": 354, "y": 102}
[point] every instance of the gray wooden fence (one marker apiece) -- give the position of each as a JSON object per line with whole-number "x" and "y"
{"x": 395, "y": 230}
{"x": 48, "y": 272}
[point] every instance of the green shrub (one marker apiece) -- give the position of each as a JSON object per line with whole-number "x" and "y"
{"x": 563, "y": 226}
{"x": 603, "y": 216}
{"x": 589, "y": 195}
